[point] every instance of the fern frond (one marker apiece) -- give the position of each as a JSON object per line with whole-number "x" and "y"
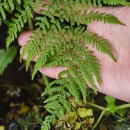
{"x": 52, "y": 98}
{"x": 99, "y": 43}
{"x": 87, "y": 73}
{"x": 35, "y": 45}
{"x": 11, "y": 4}
{"x": 49, "y": 120}
{"x": 94, "y": 66}
{"x": 107, "y": 2}
{"x": 66, "y": 45}
{"x": 19, "y": 1}
{"x": 56, "y": 102}
{"x": 65, "y": 103}
{"x": 71, "y": 13}
{"x": 53, "y": 90}
{"x": 2, "y": 11}
{"x": 7, "y": 6}
{"x": 16, "y": 25}
{"x": 87, "y": 37}
{"x": 55, "y": 108}
{"x": 18, "y": 22}
{"x": 115, "y": 2}
{"x": 81, "y": 84}
{"x": 73, "y": 88}
{"x": 41, "y": 61}
{"x": 97, "y": 16}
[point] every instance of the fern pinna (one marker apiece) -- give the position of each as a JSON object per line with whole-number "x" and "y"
{"x": 60, "y": 44}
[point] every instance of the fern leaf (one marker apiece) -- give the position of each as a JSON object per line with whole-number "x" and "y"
{"x": 52, "y": 98}
{"x": 52, "y": 90}
{"x": 40, "y": 62}
{"x": 33, "y": 47}
{"x": 2, "y": 11}
{"x": 99, "y": 43}
{"x": 19, "y": 1}
{"x": 65, "y": 103}
{"x": 94, "y": 65}
{"x": 107, "y": 2}
{"x": 11, "y": 4}
{"x": 96, "y": 16}
{"x": 87, "y": 74}
{"x": 115, "y": 2}
{"x": 49, "y": 120}
{"x": 81, "y": 84}
{"x": 55, "y": 108}
{"x": 16, "y": 26}
{"x": 73, "y": 88}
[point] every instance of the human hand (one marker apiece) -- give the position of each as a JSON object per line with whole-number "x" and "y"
{"x": 115, "y": 75}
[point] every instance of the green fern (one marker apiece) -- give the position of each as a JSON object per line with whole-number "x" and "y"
{"x": 67, "y": 49}
{"x": 108, "y": 2}
{"x": 48, "y": 120}
{"x": 61, "y": 39}
{"x": 7, "y": 6}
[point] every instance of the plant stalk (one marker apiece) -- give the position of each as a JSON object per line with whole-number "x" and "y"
{"x": 30, "y": 23}
{"x": 100, "y": 117}
{"x": 46, "y": 80}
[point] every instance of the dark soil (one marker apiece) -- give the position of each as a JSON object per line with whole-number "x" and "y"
{"x": 16, "y": 89}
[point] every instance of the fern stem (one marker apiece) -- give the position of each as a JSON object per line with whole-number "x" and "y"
{"x": 30, "y": 23}
{"x": 100, "y": 117}
{"x": 46, "y": 80}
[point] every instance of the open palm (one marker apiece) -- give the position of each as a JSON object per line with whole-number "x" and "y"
{"x": 115, "y": 75}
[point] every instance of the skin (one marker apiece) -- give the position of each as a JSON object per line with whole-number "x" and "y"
{"x": 115, "y": 75}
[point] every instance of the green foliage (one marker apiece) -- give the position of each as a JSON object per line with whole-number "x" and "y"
{"x": 48, "y": 120}
{"x": 77, "y": 119}
{"x": 122, "y": 126}
{"x": 111, "y": 103}
{"x": 61, "y": 39}
{"x": 122, "y": 112}
{"x": 83, "y": 112}
{"x": 7, "y": 6}
{"x": 108, "y": 2}
{"x": 6, "y": 57}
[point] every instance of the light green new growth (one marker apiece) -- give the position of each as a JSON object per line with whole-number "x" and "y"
{"x": 61, "y": 39}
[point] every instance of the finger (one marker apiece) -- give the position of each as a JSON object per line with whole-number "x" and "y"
{"x": 26, "y": 55}
{"x": 52, "y": 72}
{"x": 24, "y": 37}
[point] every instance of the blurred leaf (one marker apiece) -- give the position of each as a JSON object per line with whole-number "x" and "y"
{"x": 77, "y": 125}
{"x": 24, "y": 109}
{"x": 122, "y": 112}
{"x": 111, "y": 103}
{"x": 103, "y": 127}
{"x": 6, "y": 57}
{"x": 83, "y": 112}
{"x": 2, "y": 127}
{"x": 122, "y": 126}
{"x": 91, "y": 120}
{"x": 71, "y": 118}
